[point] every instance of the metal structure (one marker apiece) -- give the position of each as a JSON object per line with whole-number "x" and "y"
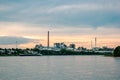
{"x": 48, "y": 40}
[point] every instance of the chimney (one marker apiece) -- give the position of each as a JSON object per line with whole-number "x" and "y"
{"x": 91, "y": 44}
{"x": 48, "y": 40}
{"x": 95, "y": 42}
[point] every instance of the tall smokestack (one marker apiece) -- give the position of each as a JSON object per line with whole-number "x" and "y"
{"x": 48, "y": 39}
{"x": 91, "y": 44}
{"x": 95, "y": 42}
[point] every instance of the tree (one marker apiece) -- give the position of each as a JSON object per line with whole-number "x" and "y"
{"x": 63, "y": 51}
{"x": 117, "y": 52}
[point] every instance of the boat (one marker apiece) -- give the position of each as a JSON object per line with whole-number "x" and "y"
{"x": 30, "y": 55}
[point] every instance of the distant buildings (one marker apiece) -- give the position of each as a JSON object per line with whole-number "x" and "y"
{"x": 39, "y": 46}
{"x": 58, "y": 46}
{"x": 104, "y": 49}
{"x": 72, "y": 46}
{"x": 81, "y": 49}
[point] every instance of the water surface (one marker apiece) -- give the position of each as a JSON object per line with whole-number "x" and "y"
{"x": 60, "y": 68}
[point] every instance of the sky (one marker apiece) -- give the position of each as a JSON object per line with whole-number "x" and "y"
{"x": 69, "y": 21}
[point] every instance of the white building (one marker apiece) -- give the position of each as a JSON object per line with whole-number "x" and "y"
{"x": 60, "y": 45}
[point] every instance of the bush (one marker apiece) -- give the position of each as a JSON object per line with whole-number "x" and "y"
{"x": 117, "y": 51}
{"x": 63, "y": 51}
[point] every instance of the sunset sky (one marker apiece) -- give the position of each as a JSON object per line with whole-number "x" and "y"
{"x": 69, "y": 21}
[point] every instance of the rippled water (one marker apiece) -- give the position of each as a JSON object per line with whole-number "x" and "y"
{"x": 60, "y": 68}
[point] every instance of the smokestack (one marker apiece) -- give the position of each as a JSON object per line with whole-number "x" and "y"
{"x": 95, "y": 42}
{"x": 91, "y": 44}
{"x": 48, "y": 39}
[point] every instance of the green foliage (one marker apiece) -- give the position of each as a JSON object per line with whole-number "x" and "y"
{"x": 63, "y": 51}
{"x": 117, "y": 51}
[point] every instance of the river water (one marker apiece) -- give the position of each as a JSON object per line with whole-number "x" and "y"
{"x": 59, "y": 68}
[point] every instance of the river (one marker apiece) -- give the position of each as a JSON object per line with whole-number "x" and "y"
{"x": 59, "y": 68}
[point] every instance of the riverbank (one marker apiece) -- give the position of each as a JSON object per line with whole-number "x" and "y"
{"x": 52, "y": 53}
{"x": 37, "y": 52}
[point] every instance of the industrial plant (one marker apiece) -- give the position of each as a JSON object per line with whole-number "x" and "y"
{"x": 59, "y": 48}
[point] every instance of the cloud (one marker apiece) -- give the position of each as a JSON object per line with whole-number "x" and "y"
{"x": 66, "y": 13}
{"x": 84, "y": 7}
{"x": 40, "y": 31}
{"x": 4, "y": 8}
{"x": 11, "y": 40}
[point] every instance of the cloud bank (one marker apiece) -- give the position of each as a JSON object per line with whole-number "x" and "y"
{"x": 33, "y": 18}
{"x": 11, "y": 40}
{"x": 56, "y": 12}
